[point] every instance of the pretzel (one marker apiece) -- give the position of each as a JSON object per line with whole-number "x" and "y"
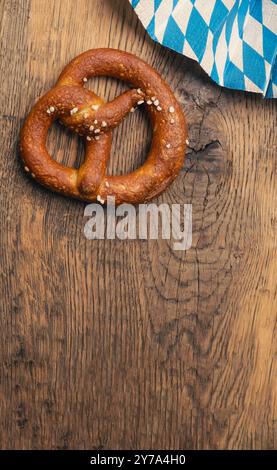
{"x": 86, "y": 114}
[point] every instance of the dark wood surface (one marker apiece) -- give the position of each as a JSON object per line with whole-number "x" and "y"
{"x": 130, "y": 344}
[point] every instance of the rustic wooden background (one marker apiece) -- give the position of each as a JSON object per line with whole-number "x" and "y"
{"x": 128, "y": 345}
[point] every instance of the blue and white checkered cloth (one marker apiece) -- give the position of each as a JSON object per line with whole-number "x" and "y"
{"x": 235, "y": 41}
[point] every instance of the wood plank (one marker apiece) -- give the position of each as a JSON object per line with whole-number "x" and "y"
{"x": 130, "y": 344}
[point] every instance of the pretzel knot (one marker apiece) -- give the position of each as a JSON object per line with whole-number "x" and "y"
{"x": 85, "y": 113}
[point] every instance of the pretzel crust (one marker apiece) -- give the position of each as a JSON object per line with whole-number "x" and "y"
{"x": 83, "y": 111}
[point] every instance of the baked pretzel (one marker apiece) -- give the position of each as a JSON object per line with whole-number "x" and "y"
{"x": 85, "y": 113}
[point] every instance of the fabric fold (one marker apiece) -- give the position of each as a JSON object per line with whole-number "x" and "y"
{"x": 234, "y": 41}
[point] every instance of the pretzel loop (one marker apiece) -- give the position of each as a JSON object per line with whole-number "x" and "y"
{"x": 86, "y": 114}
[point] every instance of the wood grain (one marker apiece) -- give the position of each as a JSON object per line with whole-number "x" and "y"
{"x": 130, "y": 344}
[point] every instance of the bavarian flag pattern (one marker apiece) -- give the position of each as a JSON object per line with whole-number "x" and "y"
{"x": 235, "y": 41}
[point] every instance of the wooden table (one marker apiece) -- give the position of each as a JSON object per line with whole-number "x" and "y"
{"x": 130, "y": 344}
